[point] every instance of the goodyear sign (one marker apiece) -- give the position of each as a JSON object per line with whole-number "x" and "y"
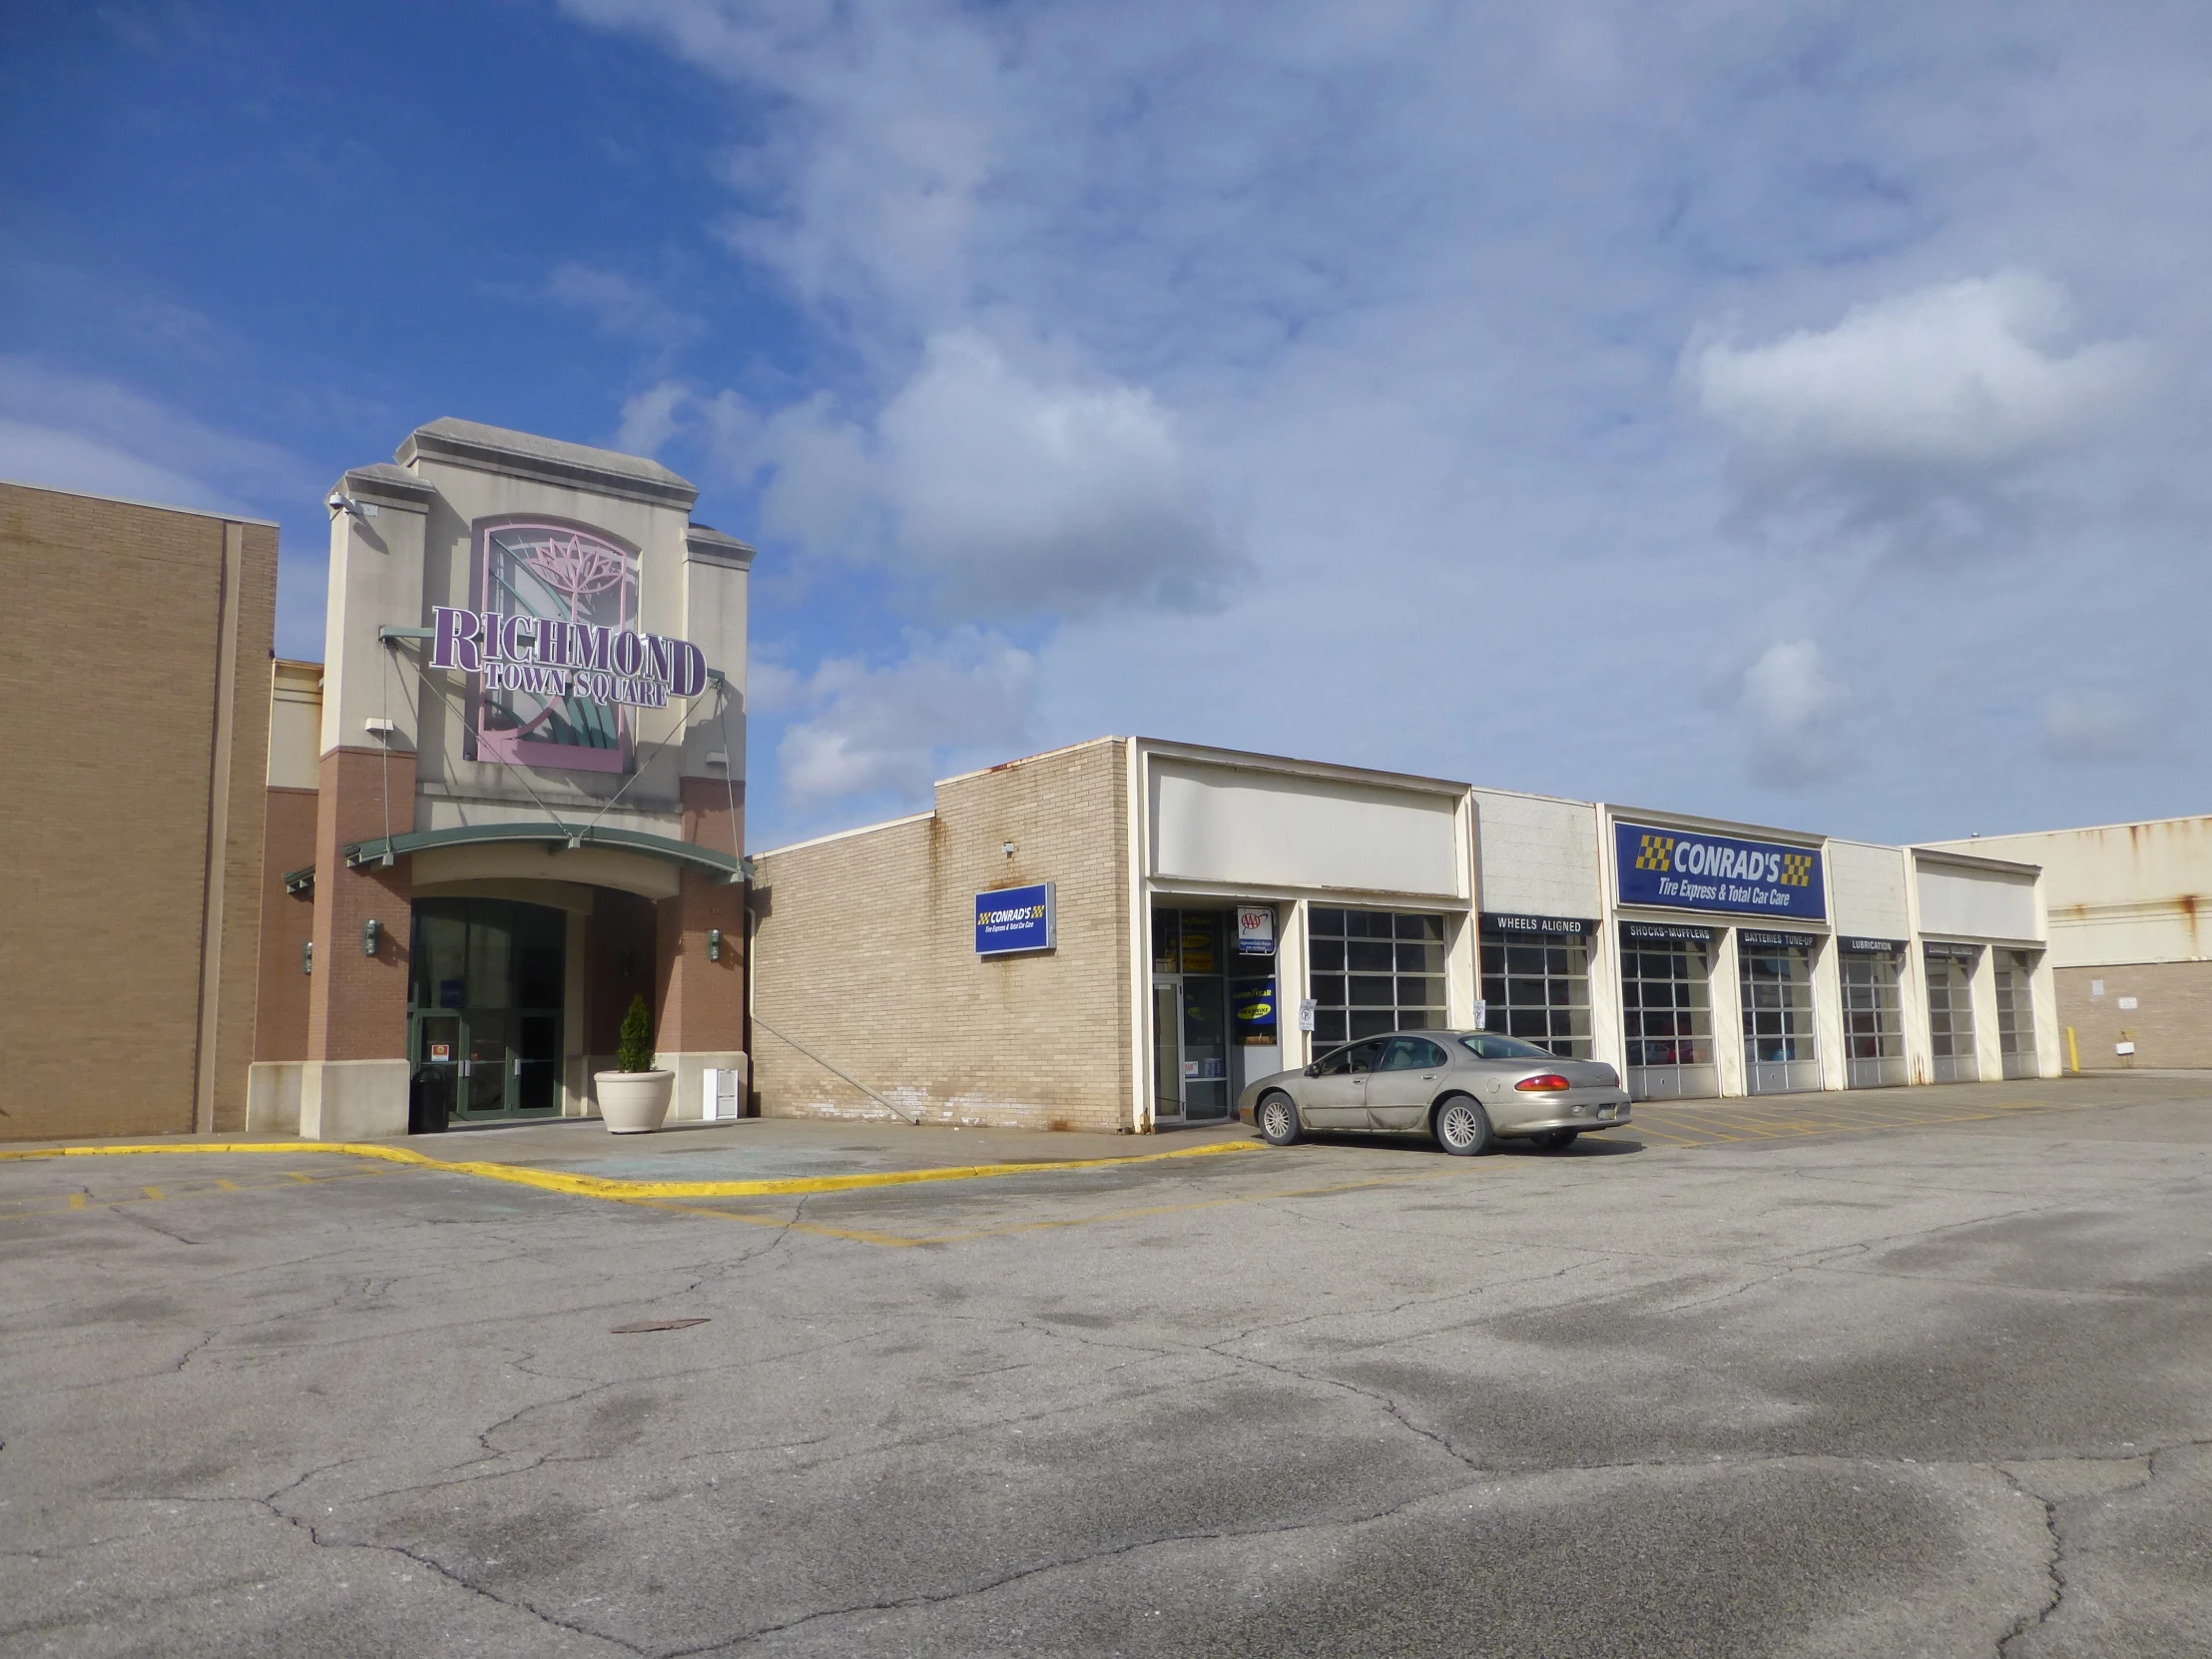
{"x": 1253, "y": 1003}
{"x": 1689, "y": 869}
{"x": 1013, "y": 918}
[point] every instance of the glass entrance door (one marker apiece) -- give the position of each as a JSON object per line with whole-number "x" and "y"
{"x": 1190, "y": 1016}
{"x": 1167, "y": 1049}
{"x": 485, "y": 1004}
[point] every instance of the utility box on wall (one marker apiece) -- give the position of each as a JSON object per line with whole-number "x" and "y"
{"x": 724, "y": 1092}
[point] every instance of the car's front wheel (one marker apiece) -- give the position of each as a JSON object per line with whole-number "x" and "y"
{"x": 1462, "y": 1127}
{"x": 1277, "y": 1120}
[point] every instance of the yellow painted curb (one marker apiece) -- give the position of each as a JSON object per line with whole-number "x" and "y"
{"x": 595, "y": 1186}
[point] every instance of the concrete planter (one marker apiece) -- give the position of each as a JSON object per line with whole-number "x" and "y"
{"x": 635, "y": 1102}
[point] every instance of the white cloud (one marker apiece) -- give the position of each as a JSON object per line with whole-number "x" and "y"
{"x": 1008, "y": 495}
{"x": 1053, "y": 495}
{"x": 80, "y": 432}
{"x": 2094, "y": 728}
{"x": 1401, "y": 293}
{"x": 1791, "y": 705}
{"x": 889, "y": 730}
{"x": 651, "y": 418}
{"x": 623, "y": 307}
{"x": 1959, "y": 376}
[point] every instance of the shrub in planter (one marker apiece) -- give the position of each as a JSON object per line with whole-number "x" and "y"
{"x": 634, "y": 1097}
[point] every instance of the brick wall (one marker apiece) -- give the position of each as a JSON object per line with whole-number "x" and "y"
{"x": 287, "y": 922}
{"x": 140, "y": 744}
{"x": 2170, "y": 1024}
{"x": 357, "y": 1003}
{"x": 866, "y": 955}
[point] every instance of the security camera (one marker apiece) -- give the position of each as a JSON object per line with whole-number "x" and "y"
{"x": 339, "y": 502}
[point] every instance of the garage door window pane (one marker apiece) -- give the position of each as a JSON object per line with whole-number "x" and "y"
{"x": 1396, "y": 979}
{"x": 1538, "y": 988}
{"x": 1666, "y": 995}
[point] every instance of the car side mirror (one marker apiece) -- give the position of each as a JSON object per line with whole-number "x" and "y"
{"x": 1313, "y": 1070}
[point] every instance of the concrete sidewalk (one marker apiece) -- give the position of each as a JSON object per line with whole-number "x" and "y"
{"x": 777, "y": 1149}
{"x": 747, "y": 1150}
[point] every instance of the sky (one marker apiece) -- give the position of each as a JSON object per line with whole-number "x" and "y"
{"x": 1787, "y": 412}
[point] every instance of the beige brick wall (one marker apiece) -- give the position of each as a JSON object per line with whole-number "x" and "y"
{"x": 2170, "y": 1024}
{"x": 142, "y": 727}
{"x": 866, "y": 955}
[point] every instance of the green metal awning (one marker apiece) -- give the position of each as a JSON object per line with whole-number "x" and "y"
{"x": 553, "y": 838}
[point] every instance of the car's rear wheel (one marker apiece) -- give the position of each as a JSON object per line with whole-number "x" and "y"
{"x": 1557, "y": 1140}
{"x": 1461, "y": 1126}
{"x": 1277, "y": 1120}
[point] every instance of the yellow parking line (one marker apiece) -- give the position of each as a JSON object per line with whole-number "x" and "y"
{"x": 227, "y": 1186}
{"x": 76, "y": 1200}
{"x": 151, "y": 1192}
{"x": 594, "y": 1186}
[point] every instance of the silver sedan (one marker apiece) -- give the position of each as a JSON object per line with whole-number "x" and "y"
{"x": 1461, "y": 1087}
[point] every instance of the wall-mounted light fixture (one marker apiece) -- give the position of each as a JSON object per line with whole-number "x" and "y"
{"x": 369, "y": 934}
{"x": 714, "y": 944}
{"x": 1006, "y": 847}
{"x": 306, "y": 957}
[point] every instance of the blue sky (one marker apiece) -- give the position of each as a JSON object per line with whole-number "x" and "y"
{"x": 1789, "y": 411}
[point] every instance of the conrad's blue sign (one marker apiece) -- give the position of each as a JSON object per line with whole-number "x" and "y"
{"x": 1689, "y": 869}
{"x": 1013, "y": 918}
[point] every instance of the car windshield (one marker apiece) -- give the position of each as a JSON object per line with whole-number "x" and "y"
{"x": 1485, "y": 1045}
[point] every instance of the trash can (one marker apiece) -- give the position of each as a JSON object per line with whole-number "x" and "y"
{"x": 428, "y": 1102}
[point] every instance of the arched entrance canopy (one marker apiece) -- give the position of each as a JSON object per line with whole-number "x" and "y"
{"x": 554, "y": 838}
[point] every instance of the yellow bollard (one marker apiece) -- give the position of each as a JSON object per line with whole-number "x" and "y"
{"x": 2074, "y": 1054}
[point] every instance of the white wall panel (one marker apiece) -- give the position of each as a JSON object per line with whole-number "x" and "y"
{"x": 1215, "y": 823}
{"x": 1868, "y": 885}
{"x": 1535, "y": 856}
{"x": 1976, "y": 904}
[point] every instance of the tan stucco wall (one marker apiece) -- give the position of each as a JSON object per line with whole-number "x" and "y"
{"x": 2120, "y": 892}
{"x": 126, "y": 981}
{"x": 866, "y": 955}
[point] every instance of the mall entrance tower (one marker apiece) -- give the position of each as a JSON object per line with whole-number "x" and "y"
{"x": 511, "y": 797}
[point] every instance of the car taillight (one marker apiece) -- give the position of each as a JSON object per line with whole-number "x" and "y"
{"x": 1542, "y": 1082}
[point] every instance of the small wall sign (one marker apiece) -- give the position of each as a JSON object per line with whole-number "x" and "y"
{"x": 2126, "y": 1004}
{"x": 1010, "y": 919}
{"x": 1255, "y": 931}
{"x": 1307, "y": 1008}
{"x": 441, "y": 1054}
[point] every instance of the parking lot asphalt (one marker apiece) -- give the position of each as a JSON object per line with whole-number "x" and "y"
{"x": 1921, "y": 1373}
